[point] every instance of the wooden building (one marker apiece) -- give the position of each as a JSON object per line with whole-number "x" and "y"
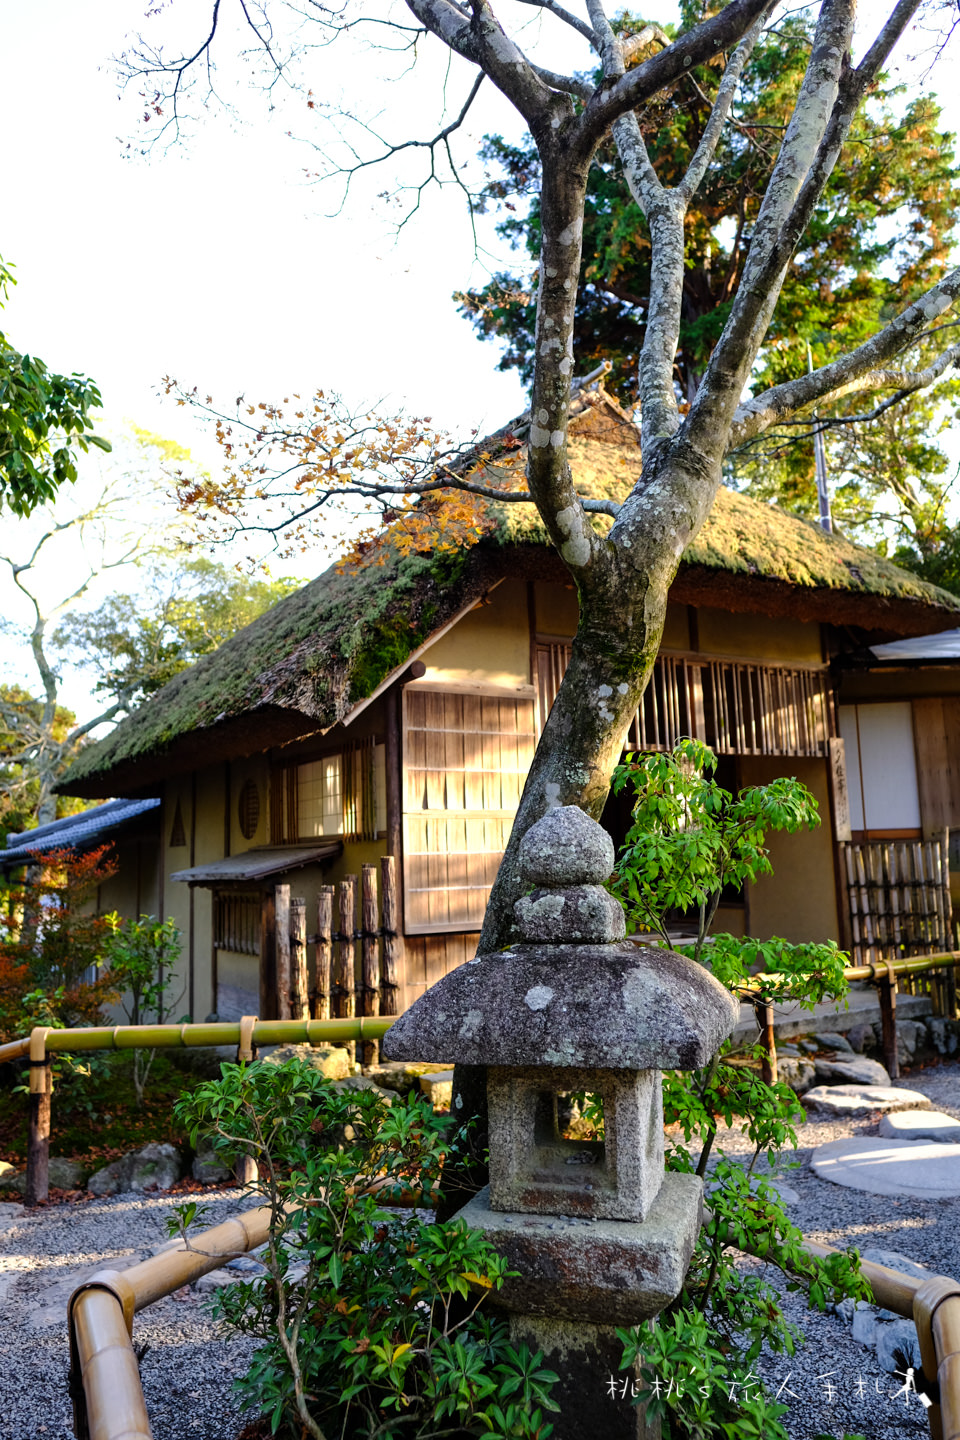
{"x": 394, "y": 709}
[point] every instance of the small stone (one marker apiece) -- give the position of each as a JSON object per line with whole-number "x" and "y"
{"x": 797, "y": 1072}
{"x": 863, "y": 1099}
{"x": 858, "y": 1070}
{"x": 893, "y": 1260}
{"x": 860, "y": 1038}
{"x": 332, "y": 1061}
{"x": 10, "y": 1212}
{"x": 158, "y": 1165}
{"x": 898, "y": 1335}
{"x": 361, "y": 1082}
{"x": 921, "y": 1125}
{"x": 865, "y": 1323}
{"x": 943, "y": 1034}
{"x": 566, "y": 847}
{"x": 438, "y": 1088}
{"x": 833, "y": 1042}
{"x": 578, "y": 914}
{"x": 207, "y": 1166}
{"x": 844, "y": 1309}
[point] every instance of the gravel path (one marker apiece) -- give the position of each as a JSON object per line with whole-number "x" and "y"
{"x": 44, "y": 1255}
{"x": 836, "y": 1384}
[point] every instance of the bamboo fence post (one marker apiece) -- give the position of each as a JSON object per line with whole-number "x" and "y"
{"x": 299, "y": 986}
{"x": 348, "y": 953}
{"x": 245, "y": 1168}
{"x": 370, "y": 955}
{"x": 392, "y": 938}
{"x": 321, "y": 1006}
{"x": 887, "y": 986}
{"x": 282, "y": 893}
{"x": 764, "y": 1013}
{"x": 38, "y": 1138}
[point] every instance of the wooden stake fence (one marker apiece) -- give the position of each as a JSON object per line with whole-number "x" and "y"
{"x": 376, "y": 942}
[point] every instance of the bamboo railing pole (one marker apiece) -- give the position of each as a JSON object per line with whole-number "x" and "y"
{"x": 284, "y": 1008}
{"x": 108, "y": 1395}
{"x": 299, "y": 985}
{"x": 348, "y": 952}
{"x": 321, "y": 1008}
{"x": 370, "y": 955}
{"x": 392, "y": 936}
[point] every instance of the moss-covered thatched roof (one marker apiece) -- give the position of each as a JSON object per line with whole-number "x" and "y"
{"x": 308, "y": 661}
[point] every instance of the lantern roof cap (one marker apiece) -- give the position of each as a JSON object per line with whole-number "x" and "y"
{"x": 613, "y": 1007}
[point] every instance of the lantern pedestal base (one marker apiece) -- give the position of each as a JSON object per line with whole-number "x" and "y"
{"x": 603, "y": 1272}
{"x": 595, "y": 1396}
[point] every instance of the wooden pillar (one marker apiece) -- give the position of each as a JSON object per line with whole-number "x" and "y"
{"x": 282, "y": 945}
{"x": 393, "y": 759}
{"x": 887, "y": 986}
{"x": 370, "y": 955}
{"x": 346, "y": 977}
{"x": 392, "y": 936}
{"x": 321, "y": 1004}
{"x": 299, "y": 985}
{"x": 38, "y": 1138}
{"x": 268, "y": 956}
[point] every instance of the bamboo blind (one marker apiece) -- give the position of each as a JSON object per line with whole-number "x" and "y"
{"x": 898, "y": 893}
{"x": 735, "y": 707}
{"x": 466, "y": 756}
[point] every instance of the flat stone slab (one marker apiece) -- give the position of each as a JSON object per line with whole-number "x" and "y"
{"x": 921, "y": 1125}
{"x": 918, "y": 1169}
{"x": 863, "y": 1099}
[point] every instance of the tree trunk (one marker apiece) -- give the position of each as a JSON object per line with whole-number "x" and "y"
{"x": 612, "y": 657}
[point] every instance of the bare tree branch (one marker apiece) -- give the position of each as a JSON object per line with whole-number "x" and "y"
{"x": 853, "y": 371}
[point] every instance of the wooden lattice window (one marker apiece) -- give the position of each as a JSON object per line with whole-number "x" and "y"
{"x": 736, "y": 707}
{"x": 248, "y": 807}
{"x": 466, "y": 757}
{"x": 339, "y": 794}
{"x": 237, "y": 920}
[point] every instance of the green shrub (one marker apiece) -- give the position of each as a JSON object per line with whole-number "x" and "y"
{"x": 369, "y": 1325}
{"x": 690, "y": 839}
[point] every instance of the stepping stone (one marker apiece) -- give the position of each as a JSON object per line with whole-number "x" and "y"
{"x": 918, "y": 1169}
{"x": 863, "y": 1099}
{"x": 920, "y": 1125}
{"x": 858, "y": 1070}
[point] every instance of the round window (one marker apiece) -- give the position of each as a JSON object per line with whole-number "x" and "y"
{"x": 249, "y": 809}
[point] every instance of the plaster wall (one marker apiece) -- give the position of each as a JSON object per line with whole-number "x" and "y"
{"x": 556, "y": 613}
{"x": 134, "y": 890}
{"x": 899, "y": 684}
{"x": 798, "y": 901}
{"x": 489, "y": 646}
{"x": 760, "y": 637}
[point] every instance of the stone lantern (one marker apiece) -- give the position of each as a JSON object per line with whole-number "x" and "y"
{"x": 600, "y": 1236}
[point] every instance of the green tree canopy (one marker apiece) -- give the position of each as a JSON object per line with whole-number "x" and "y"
{"x": 42, "y": 417}
{"x": 185, "y": 608}
{"x": 889, "y": 210}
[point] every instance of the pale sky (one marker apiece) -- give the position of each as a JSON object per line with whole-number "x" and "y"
{"x": 215, "y": 262}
